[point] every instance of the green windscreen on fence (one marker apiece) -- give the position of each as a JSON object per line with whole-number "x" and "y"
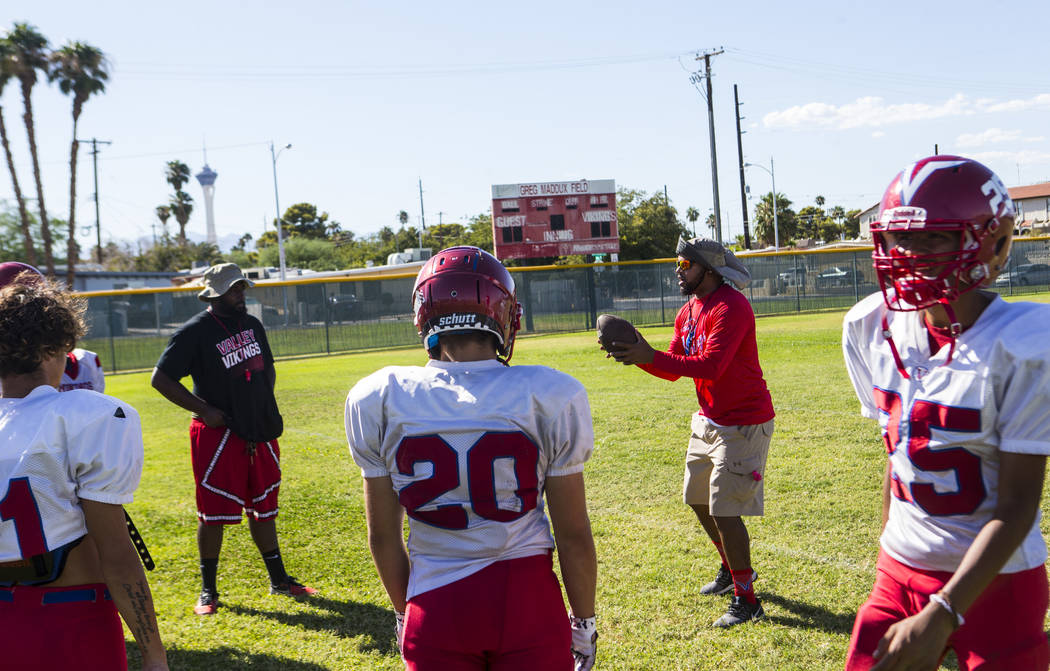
{"x": 129, "y": 329}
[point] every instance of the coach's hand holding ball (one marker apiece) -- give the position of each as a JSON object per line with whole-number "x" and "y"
{"x": 622, "y": 341}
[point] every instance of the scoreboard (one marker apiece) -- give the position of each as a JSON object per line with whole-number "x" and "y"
{"x": 554, "y": 219}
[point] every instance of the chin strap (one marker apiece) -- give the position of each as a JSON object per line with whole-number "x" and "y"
{"x": 888, "y": 335}
{"x": 955, "y": 329}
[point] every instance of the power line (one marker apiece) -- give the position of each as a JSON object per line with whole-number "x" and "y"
{"x": 213, "y": 72}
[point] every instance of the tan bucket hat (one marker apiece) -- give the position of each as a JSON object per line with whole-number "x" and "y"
{"x": 722, "y": 260}
{"x": 220, "y": 278}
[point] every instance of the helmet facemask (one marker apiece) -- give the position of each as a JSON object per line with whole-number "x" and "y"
{"x": 913, "y": 281}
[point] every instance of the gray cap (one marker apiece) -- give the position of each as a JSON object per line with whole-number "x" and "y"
{"x": 219, "y": 278}
{"x": 717, "y": 257}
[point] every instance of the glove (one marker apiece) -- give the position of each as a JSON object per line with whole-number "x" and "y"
{"x": 584, "y": 641}
{"x": 399, "y": 630}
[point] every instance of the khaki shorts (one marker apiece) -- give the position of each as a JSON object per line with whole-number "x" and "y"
{"x": 721, "y": 467}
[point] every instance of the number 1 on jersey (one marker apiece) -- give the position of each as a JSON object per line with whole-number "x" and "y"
{"x": 19, "y": 505}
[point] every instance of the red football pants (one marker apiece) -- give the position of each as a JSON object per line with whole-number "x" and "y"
{"x": 509, "y": 616}
{"x": 60, "y": 628}
{"x": 1003, "y": 630}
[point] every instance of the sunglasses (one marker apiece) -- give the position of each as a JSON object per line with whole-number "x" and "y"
{"x": 684, "y": 264}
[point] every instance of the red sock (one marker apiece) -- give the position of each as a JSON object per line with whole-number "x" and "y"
{"x": 722, "y": 554}
{"x": 744, "y": 584}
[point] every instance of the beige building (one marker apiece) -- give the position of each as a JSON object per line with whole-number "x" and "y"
{"x": 1033, "y": 209}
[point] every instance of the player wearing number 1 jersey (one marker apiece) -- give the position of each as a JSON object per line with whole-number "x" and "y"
{"x": 469, "y": 447}
{"x": 959, "y": 381}
{"x": 68, "y": 463}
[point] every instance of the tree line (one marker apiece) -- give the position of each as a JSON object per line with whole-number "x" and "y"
{"x": 649, "y": 226}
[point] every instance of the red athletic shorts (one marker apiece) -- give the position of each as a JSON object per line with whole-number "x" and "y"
{"x": 60, "y": 628}
{"x": 230, "y": 478}
{"x": 509, "y": 616}
{"x": 1003, "y": 630}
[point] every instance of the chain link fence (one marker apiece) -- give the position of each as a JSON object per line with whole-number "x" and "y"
{"x": 130, "y": 328}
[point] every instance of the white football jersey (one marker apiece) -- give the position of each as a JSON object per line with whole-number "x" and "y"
{"x": 946, "y": 426}
{"x": 56, "y": 449}
{"x": 468, "y": 446}
{"x": 83, "y": 371}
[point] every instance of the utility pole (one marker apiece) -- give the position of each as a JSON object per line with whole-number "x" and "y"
{"x": 740, "y": 156}
{"x": 695, "y": 78}
{"x": 95, "y": 142}
{"x": 422, "y": 215}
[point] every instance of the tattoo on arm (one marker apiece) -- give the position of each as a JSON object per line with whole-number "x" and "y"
{"x": 140, "y": 600}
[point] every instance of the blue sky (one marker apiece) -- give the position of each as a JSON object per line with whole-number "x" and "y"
{"x": 462, "y": 95}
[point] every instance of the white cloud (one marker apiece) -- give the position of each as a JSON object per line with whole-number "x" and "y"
{"x": 878, "y": 133}
{"x": 967, "y": 140}
{"x": 873, "y": 112}
{"x": 1039, "y": 102}
{"x": 1024, "y": 158}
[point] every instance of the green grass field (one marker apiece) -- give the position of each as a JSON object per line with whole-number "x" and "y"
{"x": 814, "y": 550}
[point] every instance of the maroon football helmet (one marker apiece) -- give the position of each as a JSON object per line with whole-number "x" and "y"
{"x": 942, "y": 193}
{"x": 466, "y": 289}
{"x": 12, "y": 269}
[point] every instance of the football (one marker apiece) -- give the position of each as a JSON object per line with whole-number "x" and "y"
{"x": 615, "y": 329}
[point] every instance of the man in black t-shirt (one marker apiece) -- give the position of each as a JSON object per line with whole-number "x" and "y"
{"x": 235, "y": 426}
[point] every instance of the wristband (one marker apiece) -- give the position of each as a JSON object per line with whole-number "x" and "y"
{"x": 583, "y": 623}
{"x": 947, "y": 605}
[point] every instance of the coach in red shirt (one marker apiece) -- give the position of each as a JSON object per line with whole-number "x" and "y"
{"x": 714, "y": 343}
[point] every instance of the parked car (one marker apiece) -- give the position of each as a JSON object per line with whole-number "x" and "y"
{"x": 1024, "y": 275}
{"x": 344, "y": 306}
{"x": 266, "y": 314}
{"x": 792, "y": 277}
{"x": 836, "y": 276}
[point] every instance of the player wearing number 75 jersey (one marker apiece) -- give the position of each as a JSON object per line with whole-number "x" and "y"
{"x": 468, "y": 447}
{"x": 959, "y": 381}
{"x": 68, "y": 463}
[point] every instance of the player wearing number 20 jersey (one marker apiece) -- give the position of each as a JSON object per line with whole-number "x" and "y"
{"x": 476, "y": 452}
{"x": 467, "y": 446}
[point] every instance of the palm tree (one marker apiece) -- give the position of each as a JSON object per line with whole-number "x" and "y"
{"x": 81, "y": 70}
{"x": 30, "y": 54}
{"x": 6, "y": 72}
{"x": 177, "y": 174}
{"x": 164, "y": 213}
{"x": 181, "y": 208}
{"x": 692, "y": 214}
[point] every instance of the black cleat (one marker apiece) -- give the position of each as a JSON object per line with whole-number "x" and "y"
{"x": 722, "y": 584}
{"x": 740, "y": 611}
